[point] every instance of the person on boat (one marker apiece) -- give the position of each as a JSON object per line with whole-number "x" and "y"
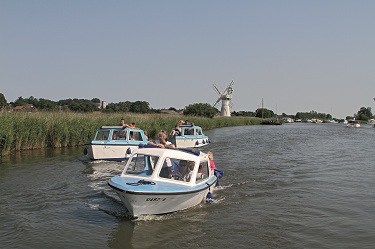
{"x": 162, "y": 141}
{"x": 168, "y": 167}
{"x": 132, "y": 125}
{"x": 211, "y": 158}
{"x": 123, "y": 124}
{"x": 200, "y": 172}
{"x": 176, "y": 131}
{"x": 121, "y": 135}
{"x": 183, "y": 170}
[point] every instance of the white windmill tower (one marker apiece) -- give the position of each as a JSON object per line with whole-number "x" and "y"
{"x": 225, "y": 97}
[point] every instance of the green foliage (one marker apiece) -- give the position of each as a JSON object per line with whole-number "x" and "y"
{"x": 200, "y": 109}
{"x": 243, "y": 114}
{"x": 119, "y": 107}
{"x": 313, "y": 115}
{"x": 20, "y": 101}
{"x": 264, "y": 113}
{"x": 95, "y": 100}
{"x": 46, "y": 104}
{"x": 79, "y": 105}
{"x": 140, "y": 107}
{"x": 3, "y": 101}
{"x": 20, "y": 130}
{"x": 364, "y": 113}
{"x": 136, "y": 107}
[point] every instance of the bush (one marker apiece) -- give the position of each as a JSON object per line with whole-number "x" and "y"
{"x": 200, "y": 109}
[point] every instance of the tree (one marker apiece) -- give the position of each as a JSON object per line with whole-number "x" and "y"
{"x": 78, "y": 105}
{"x": 20, "y": 102}
{"x": 95, "y": 100}
{"x": 364, "y": 113}
{"x": 312, "y": 115}
{"x": 3, "y": 101}
{"x": 140, "y": 107}
{"x": 243, "y": 113}
{"x": 200, "y": 109}
{"x": 46, "y": 104}
{"x": 119, "y": 107}
{"x": 264, "y": 113}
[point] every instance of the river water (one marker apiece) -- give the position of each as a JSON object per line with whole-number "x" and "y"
{"x": 290, "y": 186}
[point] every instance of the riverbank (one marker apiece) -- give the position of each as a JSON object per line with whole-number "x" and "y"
{"x": 27, "y": 131}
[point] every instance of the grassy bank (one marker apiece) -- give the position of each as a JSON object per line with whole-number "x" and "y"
{"x": 24, "y": 131}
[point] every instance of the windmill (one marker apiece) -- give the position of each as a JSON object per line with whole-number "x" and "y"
{"x": 225, "y": 97}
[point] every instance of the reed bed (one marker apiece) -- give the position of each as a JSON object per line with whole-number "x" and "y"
{"x": 25, "y": 131}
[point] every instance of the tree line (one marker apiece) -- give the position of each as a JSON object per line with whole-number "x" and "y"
{"x": 85, "y": 105}
{"x": 197, "y": 109}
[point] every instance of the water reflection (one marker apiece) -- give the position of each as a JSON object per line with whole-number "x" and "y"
{"x": 122, "y": 236}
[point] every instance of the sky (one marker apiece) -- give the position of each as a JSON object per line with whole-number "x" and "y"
{"x": 296, "y": 55}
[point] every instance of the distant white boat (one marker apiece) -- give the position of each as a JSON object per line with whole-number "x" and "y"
{"x": 114, "y": 143}
{"x": 191, "y": 136}
{"x": 353, "y": 124}
{"x": 288, "y": 120}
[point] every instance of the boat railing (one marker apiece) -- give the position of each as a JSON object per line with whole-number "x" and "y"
{"x": 118, "y": 127}
{"x": 195, "y": 152}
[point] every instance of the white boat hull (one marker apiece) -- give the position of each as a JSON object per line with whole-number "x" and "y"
{"x": 109, "y": 151}
{"x": 145, "y": 204}
{"x": 191, "y": 142}
{"x": 353, "y": 125}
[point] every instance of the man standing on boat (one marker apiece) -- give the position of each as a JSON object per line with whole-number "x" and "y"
{"x": 123, "y": 123}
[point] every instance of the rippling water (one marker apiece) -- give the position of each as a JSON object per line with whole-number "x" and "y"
{"x": 289, "y": 186}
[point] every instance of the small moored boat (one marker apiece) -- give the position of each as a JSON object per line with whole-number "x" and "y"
{"x": 191, "y": 136}
{"x": 353, "y": 124}
{"x": 114, "y": 143}
{"x": 159, "y": 181}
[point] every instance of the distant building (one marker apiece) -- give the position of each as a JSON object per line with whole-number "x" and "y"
{"x": 104, "y": 104}
{"x": 166, "y": 111}
{"x": 25, "y": 108}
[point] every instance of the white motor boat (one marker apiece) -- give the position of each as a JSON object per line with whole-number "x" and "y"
{"x": 191, "y": 136}
{"x": 353, "y": 124}
{"x": 114, "y": 143}
{"x": 159, "y": 181}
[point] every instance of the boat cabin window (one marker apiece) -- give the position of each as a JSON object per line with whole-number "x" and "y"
{"x": 198, "y": 131}
{"x": 102, "y": 135}
{"x": 189, "y": 131}
{"x": 177, "y": 169}
{"x": 203, "y": 171}
{"x": 135, "y": 136}
{"x": 141, "y": 165}
{"x": 121, "y": 135}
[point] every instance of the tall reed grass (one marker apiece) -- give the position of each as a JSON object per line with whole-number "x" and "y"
{"x": 24, "y": 131}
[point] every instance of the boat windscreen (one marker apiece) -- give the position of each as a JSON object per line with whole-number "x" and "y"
{"x": 102, "y": 135}
{"x": 141, "y": 165}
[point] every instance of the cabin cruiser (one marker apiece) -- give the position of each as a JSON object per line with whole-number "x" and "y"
{"x": 114, "y": 143}
{"x": 159, "y": 181}
{"x": 353, "y": 124}
{"x": 191, "y": 136}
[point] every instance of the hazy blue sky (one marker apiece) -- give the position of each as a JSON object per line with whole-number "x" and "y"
{"x": 298, "y": 55}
